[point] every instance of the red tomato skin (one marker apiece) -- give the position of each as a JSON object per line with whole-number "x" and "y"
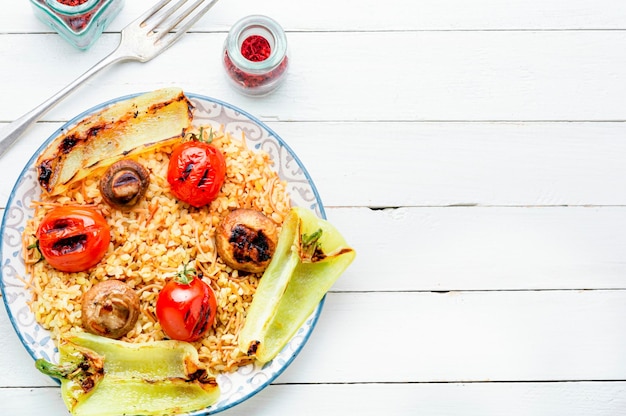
{"x": 186, "y": 311}
{"x": 73, "y": 239}
{"x": 196, "y": 172}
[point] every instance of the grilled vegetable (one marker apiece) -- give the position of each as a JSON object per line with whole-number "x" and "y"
{"x": 73, "y": 238}
{"x": 196, "y": 171}
{"x": 110, "y": 308}
{"x": 186, "y": 306}
{"x": 124, "y": 183}
{"x": 128, "y": 127}
{"x": 101, "y": 376}
{"x": 246, "y": 240}
{"x": 310, "y": 256}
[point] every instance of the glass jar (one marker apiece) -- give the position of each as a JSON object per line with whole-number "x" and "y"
{"x": 80, "y": 22}
{"x": 255, "y": 55}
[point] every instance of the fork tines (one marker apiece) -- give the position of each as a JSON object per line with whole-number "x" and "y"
{"x": 167, "y": 16}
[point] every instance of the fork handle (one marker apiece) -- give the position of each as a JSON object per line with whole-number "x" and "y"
{"x": 10, "y": 133}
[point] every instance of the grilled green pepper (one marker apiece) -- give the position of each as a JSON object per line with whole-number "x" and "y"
{"x": 102, "y": 376}
{"x": 310, "y": 256}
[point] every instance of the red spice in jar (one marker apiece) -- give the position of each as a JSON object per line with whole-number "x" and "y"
{"x": 248, "y": 80}
{"x": 255, "y": 55}
{"x": 72, "y": 2}
{"x": 256, "y": 48}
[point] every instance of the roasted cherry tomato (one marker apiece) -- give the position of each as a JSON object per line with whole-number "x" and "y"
{"x": 186, "y": 307}
{"x": 73, "y": 239}
{"x": 196, "y": 172}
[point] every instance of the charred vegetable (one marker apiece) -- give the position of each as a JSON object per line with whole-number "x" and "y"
{"x": 124, "y": 183}
{"x": 186, "y": 306}
{"x": 110, "y": 308}
{"x": 105, "y": 377}
{"x": 310, "y": 256}
{"x": 196, "y": 170}
{"x": 125, "y": 128}
{"x": 246, "y": 240}
{"x": 73, "y": 238}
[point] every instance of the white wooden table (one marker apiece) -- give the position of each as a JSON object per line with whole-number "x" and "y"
{"x": 474, "y": 154}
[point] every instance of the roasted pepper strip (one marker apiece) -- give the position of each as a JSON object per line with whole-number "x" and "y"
{"x": 310, "y": 256}
{"x": 102, "y": 376}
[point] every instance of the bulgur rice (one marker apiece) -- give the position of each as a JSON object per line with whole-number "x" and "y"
{"x": 151, "y": 242}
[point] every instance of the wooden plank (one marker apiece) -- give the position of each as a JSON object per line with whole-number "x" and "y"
{"x": 449, "y": 399}
{"x": 465, "y": 336}
{"x": 369, "y": 15}
{"x": 434, "y": 164}
{"x": 413, "y": 337}
{"x": 33, "y": 401}
{"x": 483, "y": 248}
{"x": 466, "y": 76}
{"x": 483, "y": 399}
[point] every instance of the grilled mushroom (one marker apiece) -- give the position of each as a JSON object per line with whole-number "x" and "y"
{"x": 110, "y": 309}
{"x": 124, "y": 183}
{"x": 246, "y": 240}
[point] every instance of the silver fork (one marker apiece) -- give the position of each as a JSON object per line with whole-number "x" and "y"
{"x": 143, "y": 39}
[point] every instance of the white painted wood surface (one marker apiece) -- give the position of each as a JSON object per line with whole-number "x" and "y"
{"x": 471, "y": 151}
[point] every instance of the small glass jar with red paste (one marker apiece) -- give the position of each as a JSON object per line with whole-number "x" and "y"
{"x": 80, "y": 22}
{"x": 255, "y": 55}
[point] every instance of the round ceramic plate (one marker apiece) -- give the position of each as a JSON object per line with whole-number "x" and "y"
{"x": 235, "y": 387}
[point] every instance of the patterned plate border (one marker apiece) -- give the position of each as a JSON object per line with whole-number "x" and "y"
{"x": 235, "y": 387}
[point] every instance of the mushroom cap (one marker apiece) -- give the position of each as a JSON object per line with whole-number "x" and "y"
{"x": 246, "y": 240}
{"x": 110, "y": 309}
{"x": 124, "y": 183}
